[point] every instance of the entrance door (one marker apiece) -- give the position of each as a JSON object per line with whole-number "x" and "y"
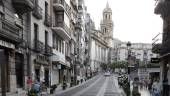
{"x": 37, "y": 74}
{"x": 19, "y": 70}
{"x": 47, "y": 77}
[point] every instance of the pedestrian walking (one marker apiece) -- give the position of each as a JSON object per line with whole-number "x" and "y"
{"x": 29, "y": 83}
{"x": 150, "y": 85}
{"x": 35, "y": 88}
{"x": 156, "y": 88}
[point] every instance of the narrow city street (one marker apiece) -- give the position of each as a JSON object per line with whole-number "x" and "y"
{"x": 97, "y": 86}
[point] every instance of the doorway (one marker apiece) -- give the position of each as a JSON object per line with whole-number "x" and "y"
{"x": 37, "y": 75}
{"x": 19, "y": 70}
{"x": 47, "y": 77}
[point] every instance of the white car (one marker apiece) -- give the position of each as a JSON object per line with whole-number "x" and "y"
{"x": 107, "y": 74}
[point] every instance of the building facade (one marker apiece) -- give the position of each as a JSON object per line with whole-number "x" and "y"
{"x": 162, "y": 8}
{"x": 63, "y": 18}
{"x": 106, "y": 25}
{"x": 99, "y": 52}
{"x": 39, "y": 41}
{"x": 13, "y": 40}
{"x": 141, "y": 51}
{"x": 51, "y": 41}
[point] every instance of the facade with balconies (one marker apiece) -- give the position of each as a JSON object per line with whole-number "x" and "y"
{"x": 23, "y": 6}
{"x": 163, "y": 8}
{"x": 62, "y": 30}
{"x": 12, "y": 44}
{"x": 40, "y": 41}
{"x": 99, "y": 52}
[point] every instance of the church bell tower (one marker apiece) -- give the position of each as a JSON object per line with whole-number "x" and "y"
{"x": 106, "y": 25}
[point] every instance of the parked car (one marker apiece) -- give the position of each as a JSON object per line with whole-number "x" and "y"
{"x": 107, "y": 74}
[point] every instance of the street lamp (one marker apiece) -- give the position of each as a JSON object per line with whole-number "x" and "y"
{"x": 129, "y": 54}
{"x": 128, "y": 57}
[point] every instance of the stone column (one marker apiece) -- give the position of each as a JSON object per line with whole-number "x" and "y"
{"x": 11, "y": 70}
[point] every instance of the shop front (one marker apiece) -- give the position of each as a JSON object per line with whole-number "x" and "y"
{"x": 9, "y": 66}
{"x": 42, "y": 69}
{"x": 60, "y": 71}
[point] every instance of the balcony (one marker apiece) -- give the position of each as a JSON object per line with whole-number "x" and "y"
{"x": 165, "y": 48}
{"x": 74, "y": 3}
{"x": 10, "y": 31}
{"x": 68, "y": 56}
{"x": 39, "y": 46}
{"x": 48, "y": 50}
{"x": 61, "y": 5}
{"x": 78, "y": 26}
{"x": 156, "y": 48}
{"x": 37, "y": 12}
{"x": 62, "y": 29}
{"x": 163, "y": 8}
{"x": 47, "y": 20}
{"x": 23, "y": 6}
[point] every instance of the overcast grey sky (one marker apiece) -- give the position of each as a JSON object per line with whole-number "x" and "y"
{"x": 134, "y": 20}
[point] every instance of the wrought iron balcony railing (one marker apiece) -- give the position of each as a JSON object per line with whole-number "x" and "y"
{"x": 9, "y": 30}
{"x": 64, "y": 26}
{"x": 48, "y": 50}
{"x": 66, "y": 7}
{"x": 23, "y": 6}
{"x": 37, "y": 12}
{"x": 47, "y": 20}
{"x": 39, "y": 46}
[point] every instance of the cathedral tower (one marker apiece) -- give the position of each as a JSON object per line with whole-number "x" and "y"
{"x": 107, "y": 25}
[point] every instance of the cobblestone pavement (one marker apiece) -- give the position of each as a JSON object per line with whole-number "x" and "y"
{"x": 99, "y": 86}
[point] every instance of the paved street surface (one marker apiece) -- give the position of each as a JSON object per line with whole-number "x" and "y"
{"x": 144, "y": 92}
{"x": 98, "y": 86}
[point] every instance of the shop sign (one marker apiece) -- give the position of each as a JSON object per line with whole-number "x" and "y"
{"x": 40, "y": 59}
{"x": 7, "y": 44}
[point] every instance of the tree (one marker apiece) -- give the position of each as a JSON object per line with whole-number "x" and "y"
{"x": 118, "y": 64}
{"x": 104, "y": 66}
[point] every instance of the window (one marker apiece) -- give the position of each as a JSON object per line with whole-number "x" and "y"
{"x": 57, "y": 42}
{"x": 63, "y": 47}
{"x": 46, "y": 38}
{"x": 54, "y": 41}
{"x": 60, "y": 45}
{"x": 151, "y": 54}
{"x": 36, "y": 33}
{"x": 46, "y": 9}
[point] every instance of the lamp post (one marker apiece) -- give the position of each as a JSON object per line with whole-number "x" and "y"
{"x": 129, "y": 54}
{"x": 128, "y": 58}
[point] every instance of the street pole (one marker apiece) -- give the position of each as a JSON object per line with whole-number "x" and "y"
{"x": 129, "y": 53}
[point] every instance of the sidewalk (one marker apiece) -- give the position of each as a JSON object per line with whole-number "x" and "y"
{"x": 115, "y": 76}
